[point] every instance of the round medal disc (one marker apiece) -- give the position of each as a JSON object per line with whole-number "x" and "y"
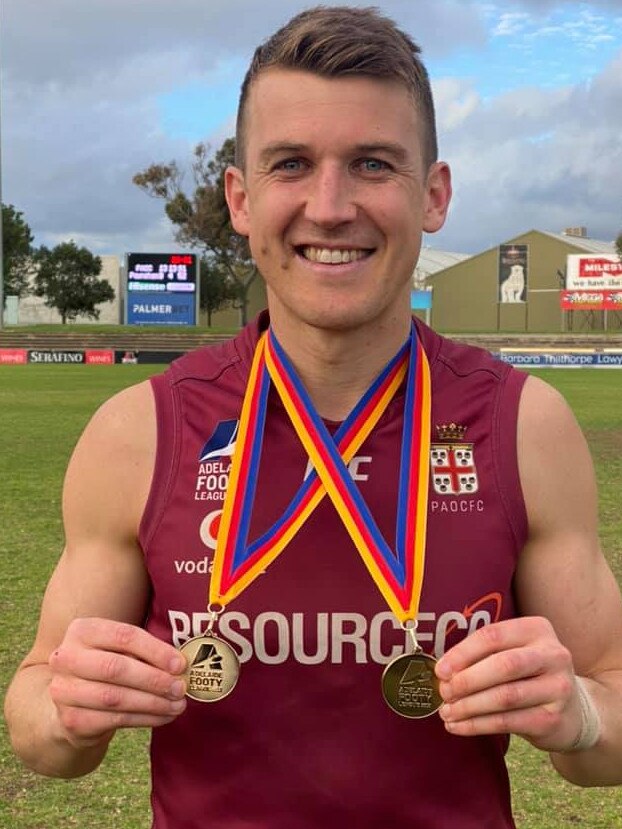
{"x": 410, "y": 686}
{"x": 213, "y": 668}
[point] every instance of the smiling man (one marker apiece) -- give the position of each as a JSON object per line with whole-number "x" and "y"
{"x": 339, "y": 558}
{"x": 334, "y": 192}
{"x": 346, "y": 187}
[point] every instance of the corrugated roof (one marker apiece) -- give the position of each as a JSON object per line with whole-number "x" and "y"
{"x": 431, "y": 261}
{"x": 583, "y": 243}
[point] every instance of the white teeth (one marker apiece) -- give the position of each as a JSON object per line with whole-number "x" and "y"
{"x": 332, "y": 257}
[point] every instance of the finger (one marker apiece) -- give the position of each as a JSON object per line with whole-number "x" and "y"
{"x": 507, "y": 667}
{"x": 115, "y": 669}
{"x": 533, "y": 723}
{"x": 118, "y": 637}
{"x": 551, "y": 691}
{"x": 500, "y": 636}
{"x": 79, "y": 693}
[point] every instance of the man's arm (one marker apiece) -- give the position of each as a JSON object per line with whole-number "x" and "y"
{"x": 92, "y": 669}
{"x": 518, "y": 676}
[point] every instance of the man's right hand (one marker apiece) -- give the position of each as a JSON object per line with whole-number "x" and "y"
{"x": 108, "y": 675}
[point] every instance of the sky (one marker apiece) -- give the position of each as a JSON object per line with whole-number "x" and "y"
{"x": 528, "y": 97}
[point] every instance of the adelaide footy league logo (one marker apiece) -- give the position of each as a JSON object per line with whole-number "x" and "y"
{"x": 215, "y": 459}
{"x": 452, "y": 462}
{"x": 222, "y": 442}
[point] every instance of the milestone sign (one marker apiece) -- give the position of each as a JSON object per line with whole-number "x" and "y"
{"x": 593, "y": 283}
{"x": 162, "y": 289}
{"x": 593, "y": 273}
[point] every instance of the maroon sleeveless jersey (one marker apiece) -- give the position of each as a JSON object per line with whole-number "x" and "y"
{"x": 305, "y": 740}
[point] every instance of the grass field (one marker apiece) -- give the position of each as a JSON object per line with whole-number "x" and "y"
{"x": 42, "y": 411}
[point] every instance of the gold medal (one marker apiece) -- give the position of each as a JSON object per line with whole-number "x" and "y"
{"x": 213, "y": 668}
{"x": 410, "y": 686}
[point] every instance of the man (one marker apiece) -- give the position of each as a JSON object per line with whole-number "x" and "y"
{"x": 315, "y": 585}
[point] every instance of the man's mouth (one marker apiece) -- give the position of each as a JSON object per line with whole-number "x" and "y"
{"x": 333, "y": 256}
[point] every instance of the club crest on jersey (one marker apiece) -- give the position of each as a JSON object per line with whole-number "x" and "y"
{"x": 222, "y": 442}
{"x": 452, "y": 462}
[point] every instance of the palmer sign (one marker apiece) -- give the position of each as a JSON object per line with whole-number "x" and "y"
{"x": 162, "y": 289}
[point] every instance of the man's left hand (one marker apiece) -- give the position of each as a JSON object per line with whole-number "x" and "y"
{"x": 512, "y": 677}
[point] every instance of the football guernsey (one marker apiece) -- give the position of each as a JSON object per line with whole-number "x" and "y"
{"x": 305, "y": 739}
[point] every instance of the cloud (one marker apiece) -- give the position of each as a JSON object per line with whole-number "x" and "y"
{"x": 536, "y": 158}
{"x": 511, "y": 23}
{"x": 83, "y": 83}
{"x": 82, "y": 89}
{"x": 72, "y": 43}
{"x": 455, "y": 101}
{"x": 543, "y": 6}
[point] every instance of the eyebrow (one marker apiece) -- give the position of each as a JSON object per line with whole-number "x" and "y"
{"x": 280, "y": 148}
{"x": 392, "y": 148}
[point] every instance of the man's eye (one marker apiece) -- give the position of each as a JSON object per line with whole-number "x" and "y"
{"x": 373, "y": 165}
{"x": 289, "y": 165}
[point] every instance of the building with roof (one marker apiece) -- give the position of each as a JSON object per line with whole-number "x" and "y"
{"x": 32, "y": 310}
{"x": 517, "y": 287}
{"x": 431, "y": 261}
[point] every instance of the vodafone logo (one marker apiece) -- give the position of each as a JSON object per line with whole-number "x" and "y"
{"x": 209, "y": 528}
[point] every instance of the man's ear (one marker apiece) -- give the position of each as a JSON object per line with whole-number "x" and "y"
{"x": 237, "y": 200}
{"x": 437, "y": 196}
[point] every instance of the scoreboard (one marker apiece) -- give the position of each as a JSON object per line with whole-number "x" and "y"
{"x": 161, "y": 289}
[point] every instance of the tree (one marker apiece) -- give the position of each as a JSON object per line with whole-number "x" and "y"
{"x": 202, "y": 218}
{"x": 17, "y": 252}
{"x": 619, "y": 245}
{"x": 67, "y": 278}
{"x": 217, "y": 289}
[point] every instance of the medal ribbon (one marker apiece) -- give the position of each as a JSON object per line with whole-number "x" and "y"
{"x": 399, "y": 575}
{"x": 236, "y": 563}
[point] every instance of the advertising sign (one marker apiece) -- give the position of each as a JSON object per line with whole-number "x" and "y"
{"x": 50, "y": 356}
{"x": 13, "y": 356}
{"x": 589, "y": 273}
{"x": 88, "y": 357}
{"x": 605, "y": 300}
{"x": 99, "y": 356}
{"x": 513, "y": 273}
{"x": 162, "y": 289}
{"x": 553, "y": 359}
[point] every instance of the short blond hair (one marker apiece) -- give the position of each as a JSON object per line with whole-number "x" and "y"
{"x": 334, "y": 41}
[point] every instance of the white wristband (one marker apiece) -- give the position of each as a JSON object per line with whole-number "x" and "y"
{"x": 590, "y": 721}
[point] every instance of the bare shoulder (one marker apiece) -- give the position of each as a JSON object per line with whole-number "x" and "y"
{"x": 130, "y": 409}
{"x": 555, "y": 465}
{"x": 544, "y": 411}
{"x": 104, "y": 495}
{"x": 562, "y": 573}
{"x": 110, "y": 471}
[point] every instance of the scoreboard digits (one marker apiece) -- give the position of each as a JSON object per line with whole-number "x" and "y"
{"x": 162, "y": 289}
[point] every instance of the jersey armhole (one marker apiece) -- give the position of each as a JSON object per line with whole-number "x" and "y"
{"x": 166, "y": 456}
{"x": 505, "y": 454}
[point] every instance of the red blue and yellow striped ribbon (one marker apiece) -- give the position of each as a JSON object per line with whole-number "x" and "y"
{"x": 399, "y": 576}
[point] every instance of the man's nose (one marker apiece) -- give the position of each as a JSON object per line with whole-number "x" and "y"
{"x": 330, "y": 199}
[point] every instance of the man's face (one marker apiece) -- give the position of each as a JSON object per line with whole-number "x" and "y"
{"x": 334, "y": 197}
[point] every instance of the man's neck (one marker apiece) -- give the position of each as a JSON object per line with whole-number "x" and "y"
{"x": 337, "y": 367}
